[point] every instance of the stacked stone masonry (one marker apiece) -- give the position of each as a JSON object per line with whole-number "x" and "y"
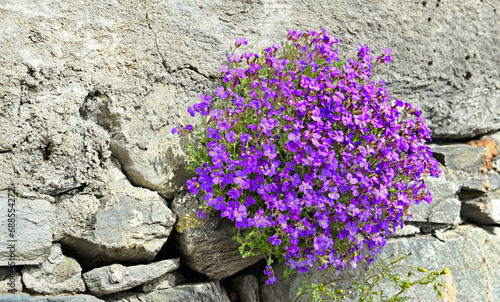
{"x": 89, "y": 94}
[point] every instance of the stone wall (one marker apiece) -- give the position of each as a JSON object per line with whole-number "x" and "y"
{"x": 90, "y": 91}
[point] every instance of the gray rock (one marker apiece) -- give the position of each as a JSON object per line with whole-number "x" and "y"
{"x": 58, "y": 274}
{"x": 206, "y": 245}
{"x": 468, "y": 251}
{"x": 460, "y": 156}
{"x": 31, "y": 237}
{"x": 128, "y": 224}
{"x": 164, "y": 282}
{"x": 199, "y": 292}
{"x": 445, "y": 206}
{"x": 464, "y": 165}
{"x": 484, "y": 209}
{"x": 247, "y": 288}
{"x": 493, "y": 180}
{"x": 407, "y": 230}
{"x": 116, "y": 277}
{"x": 22, "y": 297}
{"x": 10, "y": 280}
{"x": 73, "y": 216}
{"x": 491, "y": 267}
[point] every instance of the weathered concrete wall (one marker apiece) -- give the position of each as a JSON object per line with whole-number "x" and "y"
{"x": 90, "y": 90}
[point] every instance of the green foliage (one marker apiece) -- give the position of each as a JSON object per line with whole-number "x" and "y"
{"x": 366, "y": 290}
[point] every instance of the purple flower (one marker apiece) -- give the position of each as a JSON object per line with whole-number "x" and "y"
{"x": 230, "y": 136}
{"x": 241, "y": 41}
{"x": 244, "y": 138}
{"x": 250, "y": 201}
{"x": 219, "y": 204}
{"x": 387, "y": 58}
{"x": 339, "y": 136}
{"x": 270, "y": 151}
{"x": 328, "y": 156}
{"x": 205, "y": 99}
{"x": 193, "y": 185}
{"x": 240, "y": 178}
{"x": 240, "y": 213}
{"x": 213, "y": 133}
{"x": 296, "y": 179}
{"x": 223, "y": 125}
{"x": 275, "y": 240}
{"x": 234, "y": 58}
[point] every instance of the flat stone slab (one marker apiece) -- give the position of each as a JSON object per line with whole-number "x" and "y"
{"x": 27, "y": 241}
{"x": 207, "y": 245}
{"x": 164, "y": 282}
{"x": 22, "y": 297}
{"x": 115, "y": 278}
{"x": 199, "y": 292}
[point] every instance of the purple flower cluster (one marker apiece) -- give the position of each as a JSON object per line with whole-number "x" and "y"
{"x": 310, "y": 158}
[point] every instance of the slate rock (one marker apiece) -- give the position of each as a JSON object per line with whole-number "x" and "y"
{"x": 246, "y": 287}
{"x": 22, "y": 297}
{"x": 483, "y": 209}
{"x": 198, "y": 292}
{"x": 445, "y": 205}
{"x": 31, "y": 239}
{"x": 58, "y": 274}
{"x": 468, "y": 251}
{"x": 465, "y": 164}
{"x": 206, "y": 245}
{"x": 116, "y": 277}
{"x": 164, "y": 282}
{"x": 127, "y": 224}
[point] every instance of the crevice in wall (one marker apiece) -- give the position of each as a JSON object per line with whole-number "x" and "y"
{"x": 163, "y": 63}
{"x": 452, "y": 141}
{"x": 193, "y": 68}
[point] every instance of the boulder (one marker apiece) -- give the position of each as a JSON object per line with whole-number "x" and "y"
{"x": 58, "y": 274}
{"x": 28, "y": 239}
{"x": 206, "y": 245}
{"x": 127, "y": 224}
{"x": 198, "y": 292}
{"x": 116, "y": 277}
